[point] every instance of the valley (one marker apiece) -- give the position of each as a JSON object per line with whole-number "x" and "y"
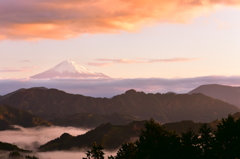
{"x": 109, "y": 121}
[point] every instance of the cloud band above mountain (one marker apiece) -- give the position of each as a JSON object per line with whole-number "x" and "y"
{"x": 111, "y": 87}
{"x": 107, "y": 62}
{"x": 59, "y": 19}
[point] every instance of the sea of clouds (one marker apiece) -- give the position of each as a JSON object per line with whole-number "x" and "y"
{"x": 32, "y": 138}
{"x": 111, "y": 87}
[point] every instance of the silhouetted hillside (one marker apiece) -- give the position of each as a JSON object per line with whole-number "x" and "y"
{"x": 13, "y": 116}
{"x": 170, "y": 107}
{"x": 225, "y": 93}
{"x": 183, "y": 126}
{"x": 92, "y": 120}
{"x": 112, "y": 136}
{"x": 10, "y": 147}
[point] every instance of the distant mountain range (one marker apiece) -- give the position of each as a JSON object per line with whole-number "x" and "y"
{"x": 228, "y": 94}
{"x": 68, "y": 69}
{"x": 55, "y": 104}
{"x": 13, "y": 116}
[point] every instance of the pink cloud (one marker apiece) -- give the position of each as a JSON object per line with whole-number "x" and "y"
{"x": 108, "y": 62}
{"x": 99, "y": 64}
{"x": 62, "y": 19}
{"x": 122, "y": 60}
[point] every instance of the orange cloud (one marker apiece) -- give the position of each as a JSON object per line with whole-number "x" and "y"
{"x": 62, "y": 19}
{"x": 108, "y": 62}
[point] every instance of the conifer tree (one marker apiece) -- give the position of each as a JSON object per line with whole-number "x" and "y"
{"x": 155, "y": 142}
{"x": 206, "y": 140}
{"x": 127, "y": 151}
{"x": 190, "y": 145}
{"x": 227, "y": 143}
{"x": 96, "y": 152}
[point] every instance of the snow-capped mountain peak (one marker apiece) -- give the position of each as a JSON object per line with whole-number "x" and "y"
{"x": 69, "y": 69}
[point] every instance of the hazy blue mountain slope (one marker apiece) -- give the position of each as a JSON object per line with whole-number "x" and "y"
{"x": 228, "y": 94}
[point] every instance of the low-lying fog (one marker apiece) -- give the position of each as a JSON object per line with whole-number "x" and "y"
{"x": 32, "y": 138}
{"x": 69, "y": 155}
{"x": 58, "y": 155}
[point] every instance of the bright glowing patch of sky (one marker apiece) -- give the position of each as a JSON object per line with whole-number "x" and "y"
{"x": 210, "y": 42}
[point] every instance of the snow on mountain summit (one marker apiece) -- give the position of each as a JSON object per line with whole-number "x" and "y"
{"x": 68, "y": 69}
{"x": 71, "y": 66}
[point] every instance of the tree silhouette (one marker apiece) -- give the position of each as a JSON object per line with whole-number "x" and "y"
{"x": 156, "y": 142}
{"x": 96, "y": 152}
{"x": 31, "y": 157}
{"x": 227, "y": 143}
{"x": 206, "y": 140}
{"x": 190, "y": 145}
{"x": 127, "y": 151}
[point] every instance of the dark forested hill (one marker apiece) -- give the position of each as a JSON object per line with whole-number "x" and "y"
{"x": 13, "y": 116}
{"x": 90, "y": 120}
{"x": 225, "y": 93}
{"x": 110, "y": 136}
{"x": 184, "y": 126}
{"x": 10, "y": 147}
{"x": 170, "y": 107}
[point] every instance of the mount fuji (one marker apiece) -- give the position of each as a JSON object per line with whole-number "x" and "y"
{"x": 68, "y": 69}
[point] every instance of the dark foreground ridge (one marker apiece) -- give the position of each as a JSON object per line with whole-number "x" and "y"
{"x": 156, "y": 142}
{"x": 112, "y": 136}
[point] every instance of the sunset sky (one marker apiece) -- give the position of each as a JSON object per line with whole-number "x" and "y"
{"x": 121, "y": 38}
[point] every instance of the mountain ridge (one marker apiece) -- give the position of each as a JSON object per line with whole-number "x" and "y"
{"x": 225, "y": 93}
{"x": 170, "y": 107}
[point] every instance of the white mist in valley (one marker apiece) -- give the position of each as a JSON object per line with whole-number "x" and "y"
{"x": 59, "y": 154}
{"x": 32, "y": 138}
{"x": 69, "y": 154}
